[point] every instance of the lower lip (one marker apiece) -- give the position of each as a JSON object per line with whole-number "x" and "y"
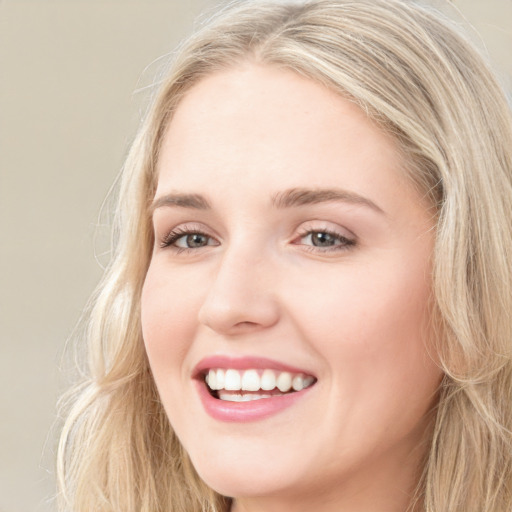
{"x": 254, "y": 410}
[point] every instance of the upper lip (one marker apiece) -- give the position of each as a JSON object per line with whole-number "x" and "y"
{"x": 244, "y": 363}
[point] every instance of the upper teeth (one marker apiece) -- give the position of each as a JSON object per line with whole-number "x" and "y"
{"x": 252, "y": 380}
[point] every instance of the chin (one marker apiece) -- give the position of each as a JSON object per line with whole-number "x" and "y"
{"x": 233, "y": 478}
{"x": 243, "y": 486}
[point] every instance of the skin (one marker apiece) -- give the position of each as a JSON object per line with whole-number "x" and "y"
{"x": 353, "y": 314}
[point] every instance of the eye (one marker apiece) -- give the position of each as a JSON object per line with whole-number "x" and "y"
{"x": 324, "y": 240}
{"x": 183, "y": 239}
{"x": 192, "y": 241}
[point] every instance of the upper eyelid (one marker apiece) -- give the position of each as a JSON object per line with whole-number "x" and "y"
{"x": 328, "y": 226}
{"x": 186, "y": 230}
{"x": 187, "y": 226}
{"x": 171, "y": 239}
{"x": 328, "y": 231}
{"x": 348, "y": 240}
{"x": 300, "y": 230}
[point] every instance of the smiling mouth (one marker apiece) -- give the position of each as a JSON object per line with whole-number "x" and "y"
{"x": 244, "y": 386}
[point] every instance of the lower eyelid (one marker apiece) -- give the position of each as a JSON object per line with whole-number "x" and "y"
{"x": 332, "y": 248}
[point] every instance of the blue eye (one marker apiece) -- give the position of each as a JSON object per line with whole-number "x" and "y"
{"x": 322, "y": 239}
{"x": 184, "y": 239}
{"x": 325, "y": 239}
{"x": 192, "y": 241}
{"x": 188, "y": 239}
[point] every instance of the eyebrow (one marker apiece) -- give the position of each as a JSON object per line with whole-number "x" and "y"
{"x": 304, "y": 196}
{"x": 290, "y": 198}
{"x": 194, "y": 201}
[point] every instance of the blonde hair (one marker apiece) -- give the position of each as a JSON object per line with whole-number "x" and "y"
{"x": 411, "y": 71}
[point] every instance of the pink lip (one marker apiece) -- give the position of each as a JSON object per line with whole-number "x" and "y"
{"x": 254, "y": 410}
{"x": 246, "y": 411}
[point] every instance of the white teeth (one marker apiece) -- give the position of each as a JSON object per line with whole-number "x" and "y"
{"x": 268, "y": 380}
{"x": 221, "y": 379}
{"x": 212, "y": 379}
{"x": 236, "y": 397}
{"x": 308, "y": 381}
{"x": 251, "y": 380}
{"x": 284, "y": 382}
{"x": 298, "y": 383}
{"x": 233, "y": 381}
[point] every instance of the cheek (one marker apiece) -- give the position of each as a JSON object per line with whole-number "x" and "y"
{"x": 357, "y": 304}
{"x": 167, "y": 316}
{"x": 370, "y": 324}
{"x": 383, "y": 379}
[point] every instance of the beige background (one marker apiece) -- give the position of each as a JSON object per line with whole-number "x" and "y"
{"x": 68, "y": 72}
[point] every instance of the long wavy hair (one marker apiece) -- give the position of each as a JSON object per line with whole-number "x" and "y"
{"x": 410, "y": 70}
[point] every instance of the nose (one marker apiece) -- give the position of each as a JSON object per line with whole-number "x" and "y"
{"x": 241, "y": 297}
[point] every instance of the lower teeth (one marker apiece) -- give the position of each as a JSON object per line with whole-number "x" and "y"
{"x": 237, "y": 397}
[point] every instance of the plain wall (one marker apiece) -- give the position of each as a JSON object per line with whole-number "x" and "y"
{"x": 68, "y": 111}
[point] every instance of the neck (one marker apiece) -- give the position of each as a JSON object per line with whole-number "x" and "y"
{"x": 381, "y": 489}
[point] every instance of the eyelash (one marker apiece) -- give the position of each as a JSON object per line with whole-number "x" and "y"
{"x": 176, "y": 234}
{"x": 345, "y": 243}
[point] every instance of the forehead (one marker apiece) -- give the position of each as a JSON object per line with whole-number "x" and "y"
{"x": 274, "y": 129}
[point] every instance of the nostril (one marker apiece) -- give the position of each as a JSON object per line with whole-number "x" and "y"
{"x": 246, "y": 324}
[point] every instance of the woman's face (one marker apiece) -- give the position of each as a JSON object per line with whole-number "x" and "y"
{"x": 288, "y": 245}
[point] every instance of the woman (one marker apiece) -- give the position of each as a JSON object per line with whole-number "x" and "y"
{"x": 308, "y": 307}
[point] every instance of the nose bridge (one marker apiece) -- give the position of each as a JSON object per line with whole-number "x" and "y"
{"x": 241, "y": 295}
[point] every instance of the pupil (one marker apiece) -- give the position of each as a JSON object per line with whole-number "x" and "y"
{"x": 196, "y": 240}
{"x": 323, "y": 239}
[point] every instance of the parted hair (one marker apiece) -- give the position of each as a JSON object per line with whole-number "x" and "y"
{"x": 411, "y": 70}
